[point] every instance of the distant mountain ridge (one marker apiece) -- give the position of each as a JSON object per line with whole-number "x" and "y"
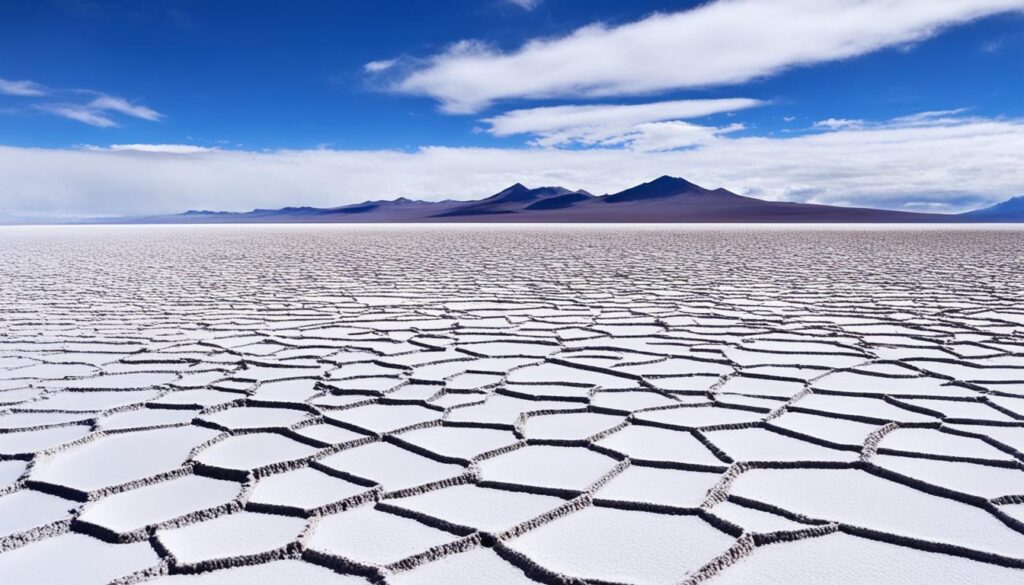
{"x": 663, "y": 200}
{"x": 1010, "y": 210}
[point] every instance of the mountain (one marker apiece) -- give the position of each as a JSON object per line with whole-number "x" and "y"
{"x": 663, "y": 200}
{"x": 675, "y": 200}
{"x": 515, "y": 198}
{"x": 659, "y": 188}
{"x": 1011, "y": 210}
{"x": 560, "y": 201}
{"x": 382, "y": 211}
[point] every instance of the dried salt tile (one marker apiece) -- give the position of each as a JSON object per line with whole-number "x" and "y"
{"x": 762, "y": 445}
{"x": 234, "y": 535}
{"x": 843, "y": 559}
{"x": 76, "y": 557}
{"x": 861, "y": 499}
{"x": 545, "y": 466}
{"x": 251, "y": 417}
{"x": 119, "y": 458}
{"x": 569, "y": 426}
{"x": 251, "y": 451}
{"x": 657, "y": 444}
{"x": 461, "y": 442}
{"x": 667, "y": 487}
{"x": 392, "y": 467}
{"x": 479, "y": 566}
{"x": 32, "y": 441}
{"x": 305, "y": 489}
{"x": 615, "y": 545}
{"x": 159, "y": 502}
{"x": 936, "y": 442}
{"x": 26, "y": 509}
{"x": 367, "y": 535}
{"x": 383, "y": 418}
{"x": 489, "y": 509}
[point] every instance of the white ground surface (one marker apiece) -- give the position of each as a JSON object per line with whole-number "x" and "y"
{"x": 467, "y": 405}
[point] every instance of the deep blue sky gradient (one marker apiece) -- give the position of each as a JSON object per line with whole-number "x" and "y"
{"x": 289, "y": 75}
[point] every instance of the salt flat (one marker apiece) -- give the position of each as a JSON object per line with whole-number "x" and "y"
{"x": 516, "y": 404}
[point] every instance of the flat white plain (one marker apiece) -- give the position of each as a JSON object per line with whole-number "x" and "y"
{"x": 521, "y": 404}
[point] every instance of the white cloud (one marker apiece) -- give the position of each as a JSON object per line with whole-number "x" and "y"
{"x": 723, "y": 42}
{"x": 838, "y": 123}
{"x": 83, "y": 114}
{"x": 950, "y": 164}
{"x": 929, "y": 118}
{"x": 21, "y": 88}
{"x": 933, "y": 118}
{"x": 993, "y": 46}
{"x": 525, "y": 4}
{"x": 379, "y": 66}
{"x": 670, "y": 135}
{"x": 615, "y": 124}
{"x": 98, "y": 111}
{"x": 95, "y": 113}
{"x": 122, "y": 106}
{"x": 165, "y": 148}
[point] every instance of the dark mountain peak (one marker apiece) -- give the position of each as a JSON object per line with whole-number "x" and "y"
{"x": 517, "y": 190}
{"x": 510, "y": 200}
{"x": 664, "y": 186}
{"x": 520, "y": 192}
{"x": 669, "y": 180}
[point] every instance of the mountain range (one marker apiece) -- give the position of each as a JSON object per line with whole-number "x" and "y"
{"x": 663, "y": 200}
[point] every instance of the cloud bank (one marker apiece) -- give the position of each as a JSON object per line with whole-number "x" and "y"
{"x": 723, "y": 42}
{"x": 934, "y": 161}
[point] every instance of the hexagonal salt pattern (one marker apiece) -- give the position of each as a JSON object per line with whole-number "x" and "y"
{"x": 416, "y": 405}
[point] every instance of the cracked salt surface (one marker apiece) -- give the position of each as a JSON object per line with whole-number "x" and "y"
{"x": 463, "y": 405}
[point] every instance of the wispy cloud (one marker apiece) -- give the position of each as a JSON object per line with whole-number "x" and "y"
{"x": 838, "y": 123}
{"x": 99, "y": 111}
{"x": 83, "y": 114}
{"x": 154, "y": 148}
{"x": 922, "y": 119}
{"x": 722, "y": 42}
{"x": 379, "y": 66}
{"x": 21, "y": 88}
{"x": 931, "y": 118}
{"x": 122, "y": 106}
{"x": 993, "y": 46}
{"x": 552, "y": 119}
{"x": 525, "y": 4}
{"x": 652, "y": 126}
{"x": 949, "y": 163}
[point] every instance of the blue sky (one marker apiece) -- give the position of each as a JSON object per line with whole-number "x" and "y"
{"x": 325, "y": 97}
